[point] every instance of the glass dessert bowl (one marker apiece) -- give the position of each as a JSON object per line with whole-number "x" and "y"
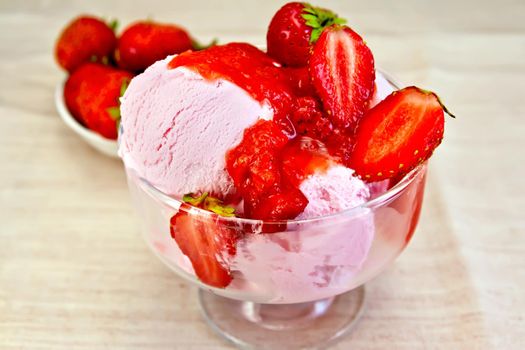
{"x": 336, "y": 148}
{"x": 295, "y": 283}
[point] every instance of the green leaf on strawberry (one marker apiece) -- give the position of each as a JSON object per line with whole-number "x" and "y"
{"x": 114, "y": 113}
{"x": 319, "y": 19}
{"x": 113, "y": 24}
{"x": 207, "y": 202}
{"x": 124, "y": 86}
{"x": 194, "y": 200}
{"x": 218, "y": 207}
{"x": 197, "y": 45}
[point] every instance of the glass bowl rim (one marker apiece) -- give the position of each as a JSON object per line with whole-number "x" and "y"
{"x": 371, "y": 204}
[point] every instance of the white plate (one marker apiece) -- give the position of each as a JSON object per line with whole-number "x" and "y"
{"x": 101, "y": 144}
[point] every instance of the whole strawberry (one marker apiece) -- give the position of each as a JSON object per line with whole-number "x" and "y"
{"x": 144, "y": 43}
{"x": 294, "y": 29}
{"x": 92, "y": 95}
{"x": 85, "y": 39}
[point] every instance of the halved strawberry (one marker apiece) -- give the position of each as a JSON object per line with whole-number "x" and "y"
{"x": 342, "y": 70}
{"x": 399, "y": 133}
{"x": 205, "y": 240}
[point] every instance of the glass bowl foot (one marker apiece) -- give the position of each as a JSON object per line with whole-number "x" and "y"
{"x": 312, "y": 325}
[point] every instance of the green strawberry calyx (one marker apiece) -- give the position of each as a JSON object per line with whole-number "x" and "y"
{"x": 197, "y": 45}
{"x": 319, "y": 18}
{"x": 113, "y": 24}
{"x": 114, "y": 112}
{"x": 207, "y": 202}
{"x": 193, "y": 199}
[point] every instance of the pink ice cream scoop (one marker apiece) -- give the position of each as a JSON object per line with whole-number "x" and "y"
{"x": 318, "y": 258}
{"x": 177, "y": 127}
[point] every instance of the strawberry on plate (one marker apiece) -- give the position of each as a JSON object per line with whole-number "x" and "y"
{"x": 85, "y": 39}
{"x": 398, "y": 134}
{"x": 343, "y": 74}
{"x": 293, "y": 30}
{"x": 143, "y": 43}
{"x": 92, "y": 95}
{"x": 204, "y": 238}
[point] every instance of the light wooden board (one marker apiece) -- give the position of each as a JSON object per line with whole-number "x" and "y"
{"x": 75, "y": 274}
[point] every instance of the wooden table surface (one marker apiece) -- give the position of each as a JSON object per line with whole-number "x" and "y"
{"x": 75, "y": 273}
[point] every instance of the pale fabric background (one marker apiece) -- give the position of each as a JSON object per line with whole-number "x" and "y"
{"x": 75, "y": 274}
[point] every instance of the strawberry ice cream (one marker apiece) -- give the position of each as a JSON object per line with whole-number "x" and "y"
{"x": 181, "y": 120}
{"x": 314, "y": 262}
{"x": 332, "y": 191}
{"x": 289, "y": 177}
{"x": 177, "y": 126}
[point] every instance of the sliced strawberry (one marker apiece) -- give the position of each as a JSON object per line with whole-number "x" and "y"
{"x": 342, "y": 70}
{"x": 205, "y": 240}
{"x": 399, "y": 133}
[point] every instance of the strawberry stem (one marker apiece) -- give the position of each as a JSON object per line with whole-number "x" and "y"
{"x": 445, "y": 109}
{"x": 319, "y": 19}
{"x": 113, "y": 24}
{"x": 197, "y": 46}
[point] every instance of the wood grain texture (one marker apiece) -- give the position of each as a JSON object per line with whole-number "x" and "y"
{"x": 75, "y": 274}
